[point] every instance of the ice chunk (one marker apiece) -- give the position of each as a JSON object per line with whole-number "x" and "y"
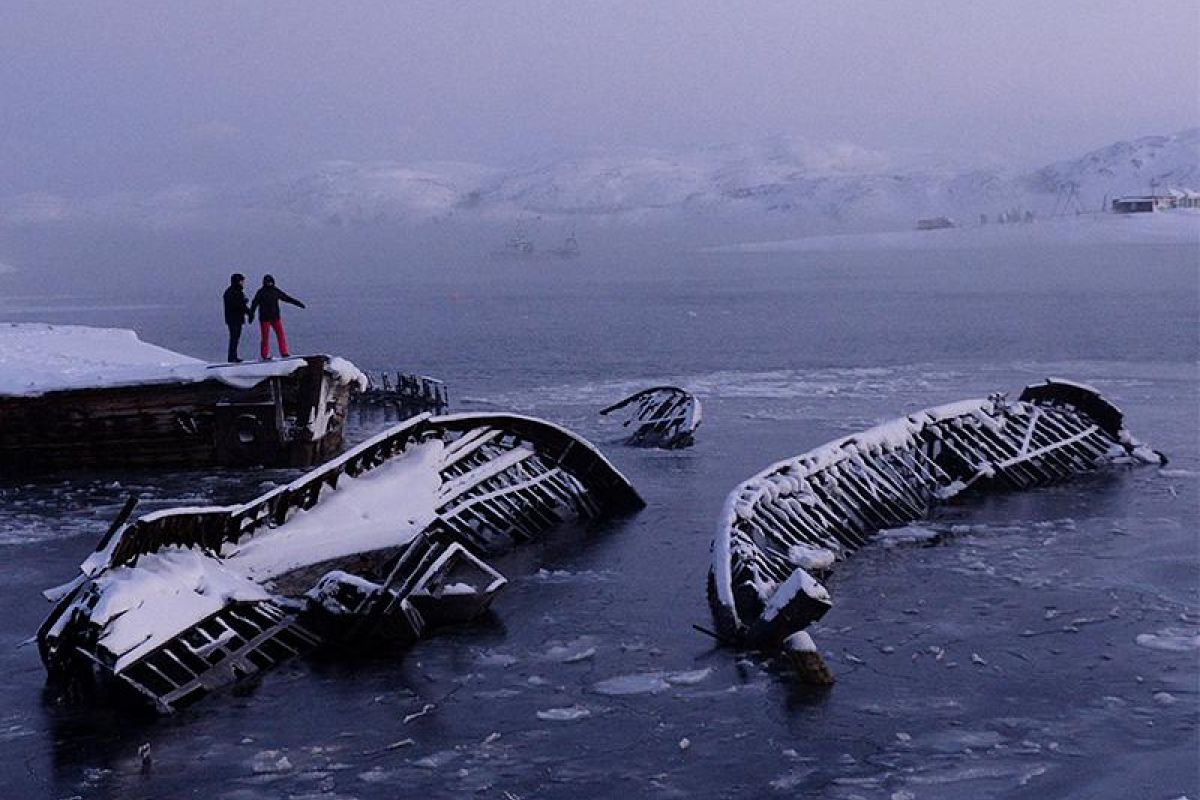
{"x": 644, "y": 683}
{"x": 567, "y": 714}
{"x": 1170, "y": 639}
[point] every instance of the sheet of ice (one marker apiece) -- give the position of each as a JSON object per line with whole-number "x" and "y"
{"x": 645, "y": 683}
{"x": 568, "y": 714}
{"x": 649, "y": 682}
{"x": 36, "y": 358}
{"x": 908, "y": 534}
{"x": 574, "y": 651}
{"x": 688, "y": 677}
{"x": 1171, "y": 639}
{"x": 385, "y": 507}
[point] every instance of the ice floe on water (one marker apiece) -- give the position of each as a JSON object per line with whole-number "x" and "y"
{"x": 568, "y": 714}
{"x": 1173, "y": 640}
{"x": 909, "y": 534}
{"x": 649, "y": 682}
{"x": 1178, "y": 473}
{"x": 579, "y": 649}
{"x": 689, "y": 677}
{"x": 566, "y": 576}
{"x": 490, "y": 658}
{"x": 266, "y": 761}
{"x": 437, "y": 760}
{"x": 644, "y": 683}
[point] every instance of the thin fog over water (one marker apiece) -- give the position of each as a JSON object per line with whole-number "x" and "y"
{"x": 139, "y": 97}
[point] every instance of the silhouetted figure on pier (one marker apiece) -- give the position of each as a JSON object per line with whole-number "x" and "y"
{"x": 237, "y": 312}
{"x": 266, "y": 301}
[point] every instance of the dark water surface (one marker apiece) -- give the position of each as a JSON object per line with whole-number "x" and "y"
{"x": 1041, "y": 645}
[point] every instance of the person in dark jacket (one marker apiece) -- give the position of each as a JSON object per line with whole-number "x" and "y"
{"x": 237, "y": 311}
{"x": 266, "y": 301}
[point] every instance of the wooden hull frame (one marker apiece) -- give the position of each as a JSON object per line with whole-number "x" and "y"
{"x": 506, "y": 479}
{"x": 784, "y": 528}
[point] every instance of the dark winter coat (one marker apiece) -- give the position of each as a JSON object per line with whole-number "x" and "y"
{"x": 266, "y": 301}
{"x": 236, "y": 309}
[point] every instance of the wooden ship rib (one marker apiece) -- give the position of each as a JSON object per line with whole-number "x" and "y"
{"x": 384, "y": 542}
{"x": 783, "y": 529}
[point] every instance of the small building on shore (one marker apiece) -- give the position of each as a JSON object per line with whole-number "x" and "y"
{"x": 1149, "y": 203}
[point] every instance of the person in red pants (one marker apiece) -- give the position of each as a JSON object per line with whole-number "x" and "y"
{"x": 266, "y": 302}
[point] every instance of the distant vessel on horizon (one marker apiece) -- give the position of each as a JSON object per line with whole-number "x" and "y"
{"x": 520, "y": 247}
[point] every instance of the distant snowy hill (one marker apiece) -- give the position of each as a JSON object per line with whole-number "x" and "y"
{"x": 781, "y": 179}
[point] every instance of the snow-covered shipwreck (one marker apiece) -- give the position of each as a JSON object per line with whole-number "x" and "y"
{"x": 382, "y": 543}
{"x": 76, "y": 397}
{"x": 783, "y": 529}
{"x": 662, "y": 416}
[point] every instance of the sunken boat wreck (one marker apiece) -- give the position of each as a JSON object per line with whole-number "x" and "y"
{"x": 381, "y": 544}
{"x": 783, "y": 529}
{"x": 74, "y": 397}
{"x": 663, "y": 416}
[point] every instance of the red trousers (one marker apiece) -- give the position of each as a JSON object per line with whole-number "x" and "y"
{"x": 265, "y": 326}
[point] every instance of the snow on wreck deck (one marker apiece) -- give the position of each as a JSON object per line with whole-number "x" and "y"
{"x": 37, "y": 358}
{"x": 378, "y": 544}
{"x": 79, "y": 397}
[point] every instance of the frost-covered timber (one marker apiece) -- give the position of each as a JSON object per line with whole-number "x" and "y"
{"x": 785, "y": 527}
{"x": 663, "y": 416}
{"x": 77, "y": 397}
{"x": 379, "y": 544}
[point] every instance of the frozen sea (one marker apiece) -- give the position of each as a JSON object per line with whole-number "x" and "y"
{"x": 1037, "y": 645}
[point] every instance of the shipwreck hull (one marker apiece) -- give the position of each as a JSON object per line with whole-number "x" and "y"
{"x": 382, "y": 543}
{"x": 285, "y": 420}
{"x": 785, "y": 527}
{"x": 663, "y": 416}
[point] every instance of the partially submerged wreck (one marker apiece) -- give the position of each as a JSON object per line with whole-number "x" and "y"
{"x": 783, "y": 529}
{"x": 382, "y": 543}
{"x": 404, "y": 394}
{"x": 76, "y": 397}
{"x": 662, "y": 416}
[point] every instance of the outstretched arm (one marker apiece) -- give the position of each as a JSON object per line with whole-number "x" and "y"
{"x": 253, "y": 306}
{"x": 287, "y": 298}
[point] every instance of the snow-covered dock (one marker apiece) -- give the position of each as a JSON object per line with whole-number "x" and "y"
{"x": 381, "y": 543}
{"x": 785, "y": 527}
{"x": 78, "y": 397}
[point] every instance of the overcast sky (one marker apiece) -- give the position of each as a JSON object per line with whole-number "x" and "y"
{"x": 99, "y": 97}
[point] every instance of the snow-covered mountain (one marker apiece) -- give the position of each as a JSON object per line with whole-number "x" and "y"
{"x": 781, "y": 179}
